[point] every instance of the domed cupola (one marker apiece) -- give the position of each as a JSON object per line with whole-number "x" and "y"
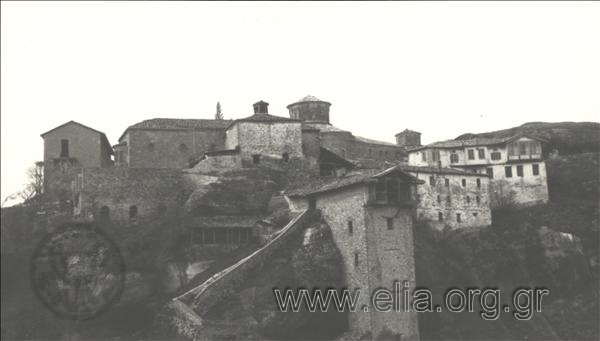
{"x": 310, "y": 109}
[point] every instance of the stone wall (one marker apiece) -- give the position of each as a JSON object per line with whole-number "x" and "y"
{"x": 170, "y": 148}
{"x": 373, "y": 256}
{"x": 391, "y": 261}
{"x": 346, "y": 145}
{"x": 153, "y": 192}
{"x": 218, "y": 163}
{"x": 433, "y": 200}
{"x": 266, "y": 139}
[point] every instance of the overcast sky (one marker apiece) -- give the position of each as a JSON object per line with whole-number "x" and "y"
{"x": 439, "y": 68}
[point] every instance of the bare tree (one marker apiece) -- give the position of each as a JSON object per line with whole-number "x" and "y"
{"x": 35, "y": 182}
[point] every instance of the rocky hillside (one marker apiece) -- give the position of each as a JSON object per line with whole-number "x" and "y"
{"x": 563, "y": 137}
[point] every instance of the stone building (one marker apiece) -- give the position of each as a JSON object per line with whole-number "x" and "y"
{"x": 371, "y": 215}
{"x": 169, "y": 143}
{"x": 264, "y": 136}
{"x": 451, "y": 198}
{"x": 314, "y": 115}
{"x": 514, "y": 165}
{"x": 67, "y": 148}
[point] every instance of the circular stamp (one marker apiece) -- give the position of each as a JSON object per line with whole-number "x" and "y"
{"x": 77, "y": 272}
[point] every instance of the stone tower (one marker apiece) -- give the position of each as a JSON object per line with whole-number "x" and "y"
{"x": 310, "y": 109}
{"x": 408, "y": 138}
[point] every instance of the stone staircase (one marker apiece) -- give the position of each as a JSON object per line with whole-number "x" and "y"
{"x": 196, "y": 302}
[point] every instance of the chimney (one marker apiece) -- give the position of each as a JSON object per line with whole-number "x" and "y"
{"x": 261, "y": 107}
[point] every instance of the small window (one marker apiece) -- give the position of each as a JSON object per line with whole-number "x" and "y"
{"x": 475, "y": 214}
{"x": 440, "y": 216}
{"x": 523, "y": 147}
{"x": 478, "y": 183}
{"x": 508, "y": 171}
{"x": 495, "y": 155}
{"x": 133, "y": 212}
{"x": 471, "y": 154}
{"x": 520, "y": 171}
{"x": 458, "y": 220}
{"x": 453, "y": 158}
{"x": 435, "y": 155}
{"x": 439, "y": 199}
{"x": 536, "y": 169}
{"x": 183, "y": 148}
{"x": 490, "y": 172}
{"x": 64, "y": 148}
{"x": 104, "y": 213}
{"x": 424, "y": 156}
{"x": 447, "y": 182}
{"x": 481, "y": 153}
{"x": 356, "y": 259}
{"x": 390, "y": 223}
{"x": 464, "y": 182}
{"x": 478, "y": 199}
{"x": 350, "y": 227}
{"x": 256, "y": 159}
{"x": 448, "y": 200}
{"x": 468, "y": 199}
{"x": 285, "y": 157}
{"x": 150, "y": 147}
{"x": 432, "y": 181}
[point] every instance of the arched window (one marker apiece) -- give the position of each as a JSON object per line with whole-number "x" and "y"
{"x": 133, "y": 212}
{"x": 183, "y": 148}
{"x": 104, "y": 213}
{"x": 285, "y": 157}
{"x": 150, "y": 147}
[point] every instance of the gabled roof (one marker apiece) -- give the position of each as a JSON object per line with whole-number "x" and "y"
{"x": 103, "y": 137}
{"x": 325, "y": 155}
{"x": 264, "y": 118}
{"x": 437, "y": 170}
{"x": 477, "y": 141}
{"x": 178, "y": 124}
{"x": 362, "y": 176}
{"x": 308, "y": 98}
{"x": 366, "y": 140}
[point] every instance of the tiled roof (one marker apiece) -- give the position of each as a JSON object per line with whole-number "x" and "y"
{"x": 179, "y": 124}
{"x": 436, "y": 170}
{"x": 328, "y": 128}
{"x": 224, "y": 221}
{"x": 477, "y": 141}
{"x": 360, "y": 176}
{"x": 265, "y": 118}
{"x": 366, "y": 140}
{"x": 408, "y": 131}
{"x": 308, "y": 98}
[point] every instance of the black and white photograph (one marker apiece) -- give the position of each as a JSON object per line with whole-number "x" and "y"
{"x": 237, "y": 170}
